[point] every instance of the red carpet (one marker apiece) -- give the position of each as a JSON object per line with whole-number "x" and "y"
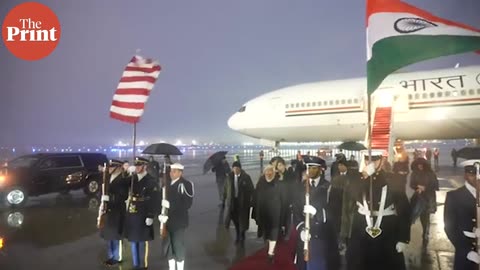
{"x": 284, "y": 256}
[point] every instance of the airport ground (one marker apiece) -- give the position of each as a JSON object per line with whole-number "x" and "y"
{"x": 58, "y": 231}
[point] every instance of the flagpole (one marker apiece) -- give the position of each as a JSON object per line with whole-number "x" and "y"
{"x": 369, "y": 138}
{"x": 134, "y": 140}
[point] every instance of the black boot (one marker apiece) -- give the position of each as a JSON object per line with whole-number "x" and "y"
{"x": 270, "y": 258}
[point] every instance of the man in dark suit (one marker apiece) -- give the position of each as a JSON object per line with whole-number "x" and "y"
{"x": 460, "y": 222}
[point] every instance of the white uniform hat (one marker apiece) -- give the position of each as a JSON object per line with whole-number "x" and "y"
{"x": 177, "y": 166}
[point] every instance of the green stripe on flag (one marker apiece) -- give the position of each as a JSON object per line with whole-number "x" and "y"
{"x": 393, "y": 53}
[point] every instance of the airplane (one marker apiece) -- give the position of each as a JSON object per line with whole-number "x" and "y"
{"x": 427, "y": 105}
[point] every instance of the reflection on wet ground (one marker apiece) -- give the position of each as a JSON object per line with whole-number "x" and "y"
{"x": 59, "y": 231}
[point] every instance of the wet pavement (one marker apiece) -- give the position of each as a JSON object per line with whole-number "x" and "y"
{"x": 59, "y": 231}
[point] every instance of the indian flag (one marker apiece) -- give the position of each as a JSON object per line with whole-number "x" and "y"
{"x": 399, "y": 34}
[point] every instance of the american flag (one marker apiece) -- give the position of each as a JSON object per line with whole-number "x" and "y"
{"x": 134, "y": 88}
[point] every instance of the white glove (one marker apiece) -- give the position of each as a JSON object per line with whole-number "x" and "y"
{"x": 474, "y": 257}
{"x": 370, "y": 169}
{"x": 131, "y": 169}
{"x": 163, "y": 219}
{"x": 474, "y": 234}
{"x": 149, "y": 221}
{"x": 303, "y": 236}
{"x": 105, "y": 198}
{"x": 308, "y": 209}
{"x": 165, "y": 204}
{"x": 401, "y": 247}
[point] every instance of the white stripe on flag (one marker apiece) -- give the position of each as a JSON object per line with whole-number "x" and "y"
{"x": 126, "y": 112}
{"x": 136, "y": 85}
{"x": 140, "y": 74}
{"x": 131, "y": 98}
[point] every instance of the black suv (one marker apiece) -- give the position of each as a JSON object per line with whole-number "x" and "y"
{"x": 38, "y": 174}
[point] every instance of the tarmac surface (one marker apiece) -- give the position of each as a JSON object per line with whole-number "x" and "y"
{"x": 59, "y": 231}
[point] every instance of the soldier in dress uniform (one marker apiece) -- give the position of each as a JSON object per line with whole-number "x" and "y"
{"x": 114, "y": 206}
{"x": 460, "y": 222}
{"x": 141, "y": 209}
{"x": 380, "y": 235}
{"x": 323, "y": 247}
{"x": 179, "y": 199}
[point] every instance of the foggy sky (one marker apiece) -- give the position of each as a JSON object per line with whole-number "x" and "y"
{"x": 215, "y": 56}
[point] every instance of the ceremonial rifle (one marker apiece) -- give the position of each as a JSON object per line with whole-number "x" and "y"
{"x": 306, "y": 253}
{"x": 103, "y": 206}
{"x": 477, "y": 167}
{"x": 163, "y": 226}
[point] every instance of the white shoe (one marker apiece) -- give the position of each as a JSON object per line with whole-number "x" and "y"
{"x": 180, "y": 265}
{"x": 171, "y": 264}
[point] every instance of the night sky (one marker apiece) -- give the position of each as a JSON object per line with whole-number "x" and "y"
{"x": 215, "y": 56}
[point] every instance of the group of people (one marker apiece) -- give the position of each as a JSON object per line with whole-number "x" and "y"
{"x": 131, "y": 203}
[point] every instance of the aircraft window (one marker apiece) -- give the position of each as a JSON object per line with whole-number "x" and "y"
{"x": 455, "y": 93}
{"x": 432, "y": 95}
{"x": 343, "y": 101}
{"x": 447, "y": 94}
{"x": 297, "y": 105}
{"x": 417, "y": 96}
{"x": 242, "y": 109}
{"x": 303, "y": 104}
{"x": 331, "y": 102}
{"x": 424, "y": 95}
{"x": 439, "y": 94}
{"x": 325, "y": 103}
{"x": 463, "y": 92}
{"x": 410, "y": 96}
{"x": 308, "y": 104}
{"x": 292, "y": 105}
{"x": 355, "y": 101}
{"x": 349, "y": 101}
{"x": 471, "y": 92}
{"x": 286, "y": 106}
{"x": 314, "y": 104}
{"x": 478, "y": 91}
{"x": 337, "y": 102}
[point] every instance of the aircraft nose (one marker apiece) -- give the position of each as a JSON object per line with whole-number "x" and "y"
{"x": 233, "y": 122}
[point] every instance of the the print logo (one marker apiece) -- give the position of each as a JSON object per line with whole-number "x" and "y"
{"x": 31, "y": 31}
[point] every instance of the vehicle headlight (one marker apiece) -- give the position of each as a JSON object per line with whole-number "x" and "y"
{"x": 3, "y": 178}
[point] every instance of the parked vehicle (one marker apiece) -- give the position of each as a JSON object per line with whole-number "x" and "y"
{"x": 44, "y": 173}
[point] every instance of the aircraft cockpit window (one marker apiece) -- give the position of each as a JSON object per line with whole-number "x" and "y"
{"x": 439, "y": 94}
{"x": 463, "y": 92}
{"x": 471, "y": 92}
{"x": 242, "y": 109}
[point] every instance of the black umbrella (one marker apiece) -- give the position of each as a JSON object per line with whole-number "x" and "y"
{"x": 213, "y": 160}
{"x": 469, "y": 153}
{"x": 352, "y": 146}
{"x": 162, "y": 149}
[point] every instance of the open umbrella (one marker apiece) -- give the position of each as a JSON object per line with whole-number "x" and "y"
{"x": 352, "y": 146}
{"x": 213, "y": 160}
{"x": 469, "y": 153}
{"x": 162, "y": 149}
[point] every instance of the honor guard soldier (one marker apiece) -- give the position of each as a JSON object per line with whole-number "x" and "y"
{"x": 179, "y": 199}
{"x": 114, "y": 206}
{"x": 381, "y": 224}
{"x": 141, "y": 209}
{"x": 322, "y": 239}
{"x": 461, "y": 221}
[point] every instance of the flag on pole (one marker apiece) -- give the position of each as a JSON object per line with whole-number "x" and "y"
{"x": 134, "y": 88}
{"x": 399, "y": 34}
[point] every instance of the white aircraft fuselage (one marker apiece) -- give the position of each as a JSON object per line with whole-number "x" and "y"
{"x": 437, "y": 104}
